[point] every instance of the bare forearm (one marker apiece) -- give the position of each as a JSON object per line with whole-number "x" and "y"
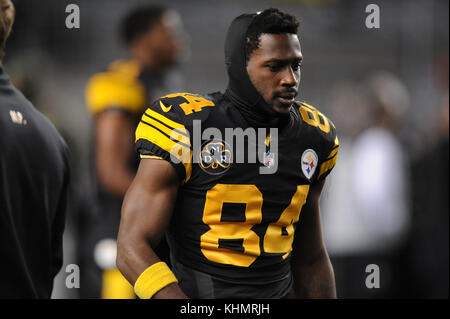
{"x": 146, "y": 213}
{"x": 316, "y": 280}
{"x": 137, "y": 237}
{"x": 133, "y": 257}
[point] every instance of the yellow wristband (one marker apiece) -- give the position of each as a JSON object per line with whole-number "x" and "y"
{"x": 153, "y": 279}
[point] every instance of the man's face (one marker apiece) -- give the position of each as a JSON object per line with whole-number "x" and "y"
{"x": 274, "y": 69}
{"x": 163, "y": 42}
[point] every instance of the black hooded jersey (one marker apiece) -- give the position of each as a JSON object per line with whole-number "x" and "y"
{"x": 235, "y": 217}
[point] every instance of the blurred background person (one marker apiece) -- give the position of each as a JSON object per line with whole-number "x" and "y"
{"x": 428, "y": 253}
{"x": 116, "y": 99}
{"x": 344, "y": 227}
{"x": 34, "y": 179}
{"x": 380, "y": 168}
{"x": 381, "y": 180}
{"x": 370, "y": 224}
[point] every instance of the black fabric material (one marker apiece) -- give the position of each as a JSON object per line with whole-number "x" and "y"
{"x": 200, "y": 285}
{"x": 34, "y": 179}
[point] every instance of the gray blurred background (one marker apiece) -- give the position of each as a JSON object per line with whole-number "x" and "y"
{"x": 396, "y": 219}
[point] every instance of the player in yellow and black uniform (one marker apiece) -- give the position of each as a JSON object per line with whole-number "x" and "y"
{"x": 116, "y": 99}
{"x": 263, "y": 208}
{"x": 237, "y": 227}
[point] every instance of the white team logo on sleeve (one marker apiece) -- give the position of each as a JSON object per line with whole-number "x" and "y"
{"x": 309, "y": 163}
{"x": 17, "y": 117}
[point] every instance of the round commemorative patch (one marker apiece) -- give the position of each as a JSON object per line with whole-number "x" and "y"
{"x": 309, "y": 163}
{"x": 215, "y": 157}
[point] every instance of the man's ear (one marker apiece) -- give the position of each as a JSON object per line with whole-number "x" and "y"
{"x": 7, "y": 14}
{"x": 247, "y": 56}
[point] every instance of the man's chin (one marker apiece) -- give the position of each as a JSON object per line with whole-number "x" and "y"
{"x": 282, "y": 108}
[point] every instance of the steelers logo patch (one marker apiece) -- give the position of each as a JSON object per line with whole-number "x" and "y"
{"x": 309, "y": 163}
{"x": 215, "y": 157}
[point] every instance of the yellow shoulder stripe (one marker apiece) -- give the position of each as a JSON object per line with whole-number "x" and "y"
{"x": 150, "y": 133}
{"x": 328, "y": 165}
{"x": 151, "y": 156}
{"x": 333, "y": 152}
{"x": 178, "y": 134}
{"x": 172, "y": 141}
{"x": 168, "y": 122}
{"x": 335, "y": 149}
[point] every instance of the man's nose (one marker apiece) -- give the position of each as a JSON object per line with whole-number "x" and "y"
{"x": 289, "y": 78}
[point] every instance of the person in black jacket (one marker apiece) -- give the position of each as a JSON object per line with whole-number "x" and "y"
{"x": 34, "y": 177}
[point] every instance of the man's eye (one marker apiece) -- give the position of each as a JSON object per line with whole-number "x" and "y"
{"x": 297, "y": 66}
{"x": 274, "y": 68}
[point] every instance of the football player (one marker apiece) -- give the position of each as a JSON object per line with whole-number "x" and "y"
{"x": 233, "y": 231}
{"x": 116, "y": 100}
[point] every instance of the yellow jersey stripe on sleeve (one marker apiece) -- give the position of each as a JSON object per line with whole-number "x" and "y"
{"x": 168, "y": 122}
{"x": 151, "y": 156}
{"x": 152, "y": 134}
{"x": 333, "y": 152}
{"x": 177, "y": 134}
{"x": 179, "y": 150}
{"x": 328, "y": 165}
